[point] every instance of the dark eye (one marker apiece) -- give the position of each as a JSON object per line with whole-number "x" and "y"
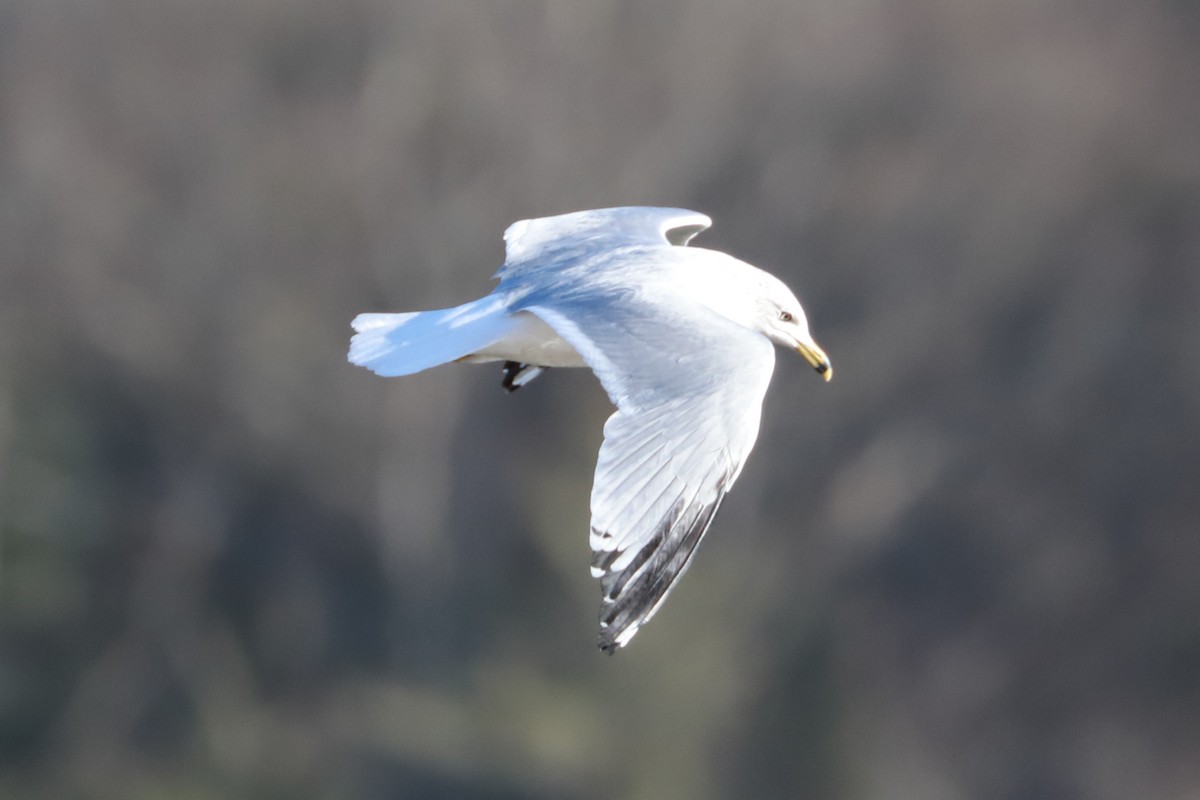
{"x": 785, "y": 316}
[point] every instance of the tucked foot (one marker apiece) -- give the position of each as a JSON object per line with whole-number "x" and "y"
{"x": 517, "y": 374}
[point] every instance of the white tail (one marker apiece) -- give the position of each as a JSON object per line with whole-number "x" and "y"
{"x": 401, "y": 344}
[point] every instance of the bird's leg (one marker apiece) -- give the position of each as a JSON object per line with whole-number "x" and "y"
{"x": 517, "y": 374}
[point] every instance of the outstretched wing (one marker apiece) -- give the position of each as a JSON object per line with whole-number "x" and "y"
{"x": 688, "y": 386}
{"x": 545, "y": 241}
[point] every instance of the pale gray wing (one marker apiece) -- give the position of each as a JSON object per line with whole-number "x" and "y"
{"x": 688, "y": 386}
{"x": 548, "y": 241}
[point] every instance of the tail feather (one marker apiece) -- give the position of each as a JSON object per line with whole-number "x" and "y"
{"x": 401, "y": 344}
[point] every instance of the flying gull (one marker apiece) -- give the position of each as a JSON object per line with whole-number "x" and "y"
{"x": 681, "y": 339}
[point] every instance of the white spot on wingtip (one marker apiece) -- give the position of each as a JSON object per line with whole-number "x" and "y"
{"x": 627, "y": 634}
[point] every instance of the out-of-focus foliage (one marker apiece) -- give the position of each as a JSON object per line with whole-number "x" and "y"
{"x": 233, "y": 566}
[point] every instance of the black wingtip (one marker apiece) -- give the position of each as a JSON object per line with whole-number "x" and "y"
{"x": 631, "y": 596}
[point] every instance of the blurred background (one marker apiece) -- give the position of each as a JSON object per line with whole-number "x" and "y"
{"x": 234, "y": 566}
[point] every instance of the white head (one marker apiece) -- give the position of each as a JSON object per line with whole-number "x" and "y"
{"x": 781, "y": 319}
{"x": 761, "y": 302}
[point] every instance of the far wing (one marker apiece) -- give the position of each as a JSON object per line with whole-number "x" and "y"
{"x": 548, "y": 240}
{"x": 688, "y": 385}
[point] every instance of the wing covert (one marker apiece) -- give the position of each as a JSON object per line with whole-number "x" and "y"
{"x": 551, "y": 240}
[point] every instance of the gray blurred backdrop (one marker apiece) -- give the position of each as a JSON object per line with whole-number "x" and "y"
{"x": 234, "y": 566}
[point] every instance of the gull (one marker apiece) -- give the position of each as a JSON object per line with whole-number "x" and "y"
{"x": 681, "y": 340}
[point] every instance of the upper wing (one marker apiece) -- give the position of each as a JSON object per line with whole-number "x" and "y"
{"x": 688, "y": 386}
{"x": 551, "y": 240}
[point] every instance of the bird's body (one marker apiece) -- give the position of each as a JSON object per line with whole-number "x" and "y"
{"x": 680, "y": 338}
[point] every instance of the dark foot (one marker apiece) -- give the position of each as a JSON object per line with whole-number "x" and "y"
{"x": 517, "y": 374}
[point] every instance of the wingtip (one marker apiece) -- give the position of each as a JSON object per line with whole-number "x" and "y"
{"x": 616, "y": 634}
{"x": 613, "y": 639}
